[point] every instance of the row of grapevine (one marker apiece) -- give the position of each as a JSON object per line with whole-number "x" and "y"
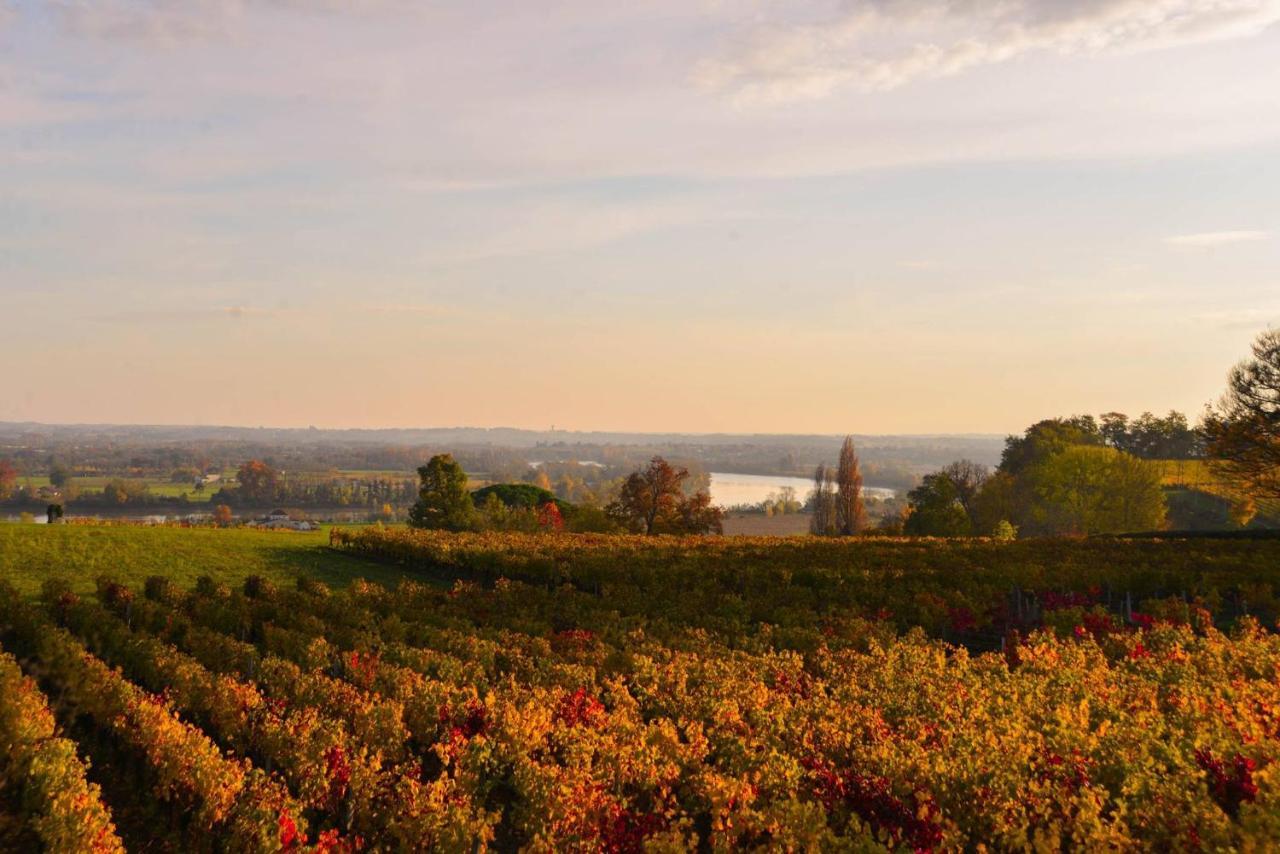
{"x": 344, "y": 785}
{"x": 959, "y": 590}
{"x": 44, "y": 776}
{"x": 1155, "y": 734}
{"x": 207, "y": 791}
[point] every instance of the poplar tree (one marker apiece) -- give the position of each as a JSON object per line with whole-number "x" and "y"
{"x": 851, "y": 516}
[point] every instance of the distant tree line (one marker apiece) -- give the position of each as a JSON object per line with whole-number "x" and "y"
{"x": 258, "y": 485}
{"x": 1082, "y": 475}
{"x": 651, "y": 500}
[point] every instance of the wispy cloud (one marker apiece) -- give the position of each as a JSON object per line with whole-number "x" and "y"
{"x": 884, "y": 44}
{"x": 1215, "y": 238}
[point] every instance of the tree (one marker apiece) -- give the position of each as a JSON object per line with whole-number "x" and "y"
{"x": 222, "y": 516}
{"x": 116, "y": 491}
{"x": 1004, "y": 530}
{"x": 697, "y": 515}
{"x": 8, "y": 477}
{"x": 1095, "y": 490}
{"x": 787, "y": 500}
{"x": 1115, "y": 430}
{"x": 823, "y": 502}
{"x": 549, "y": 518}
{"x": 851, "y": 516}
{"x": 258, "y": 482}
{"x": 1001, "y": 499}
{"x": 1045, "y": 438}
{"x": 968, "y": 478}
{"x": 649, "y": 495}
{"x": 514, "y": 495}
{"x": 1243, "y": 430}
{"x": 1167, "y": 438}
{"x": 652, "y": 501}
{"x": 936, "y": 510}
{"x": 59, "y": 475}
{"x": 443, "y": 500}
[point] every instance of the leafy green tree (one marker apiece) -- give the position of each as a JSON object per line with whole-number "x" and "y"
{"x": 1094, "y": 490}
{"x": 515, "y": 495}
{"x": 936, "y": 510}
{"x": 1045, "y": 438}
{"x": 493, "y": 511}
{"x": 443, "y": 500}
{"x": 59, "y": 475}
{"x": 120, "y": 491}
{"x": 1001, "y": 499}
{"x": 1004, "y": 530}
{"x": 590, "y": 519}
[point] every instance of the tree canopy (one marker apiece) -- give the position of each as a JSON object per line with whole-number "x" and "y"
{"x": 443, "y": 500}
{"x": 258, "y": 483}
{"x": 652, "y": 501}
{"x": 936, "y": 509}
{"x": 1095, "y": 490}
{"x": 1243, "y": 430}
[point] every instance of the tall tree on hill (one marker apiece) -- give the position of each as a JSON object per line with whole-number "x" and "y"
{"x": 443, "y": 500}
{"x": 851, "y": 516}
{"x": 1244, "y": 429}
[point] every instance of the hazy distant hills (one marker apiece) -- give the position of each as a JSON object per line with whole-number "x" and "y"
{"x": 743, "y": 452}
{"x": 504, "y": 436}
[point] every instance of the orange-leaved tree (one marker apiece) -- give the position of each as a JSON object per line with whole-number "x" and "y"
{"x": 652, "y": 501}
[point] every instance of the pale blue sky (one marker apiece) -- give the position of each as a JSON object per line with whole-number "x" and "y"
{"x": 894, "y": 216}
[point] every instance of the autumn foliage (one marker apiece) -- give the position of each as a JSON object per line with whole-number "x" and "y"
{"x": 562, "y": 698}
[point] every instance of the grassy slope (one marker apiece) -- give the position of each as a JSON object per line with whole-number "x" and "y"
{"x": 1202, "y": 476}
{"x": 31, "y": 553}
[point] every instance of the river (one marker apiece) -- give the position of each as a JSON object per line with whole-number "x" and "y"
{"x": 729, "y": 490}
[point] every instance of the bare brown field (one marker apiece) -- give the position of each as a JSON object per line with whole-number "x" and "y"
{"x": 760, "y": 525}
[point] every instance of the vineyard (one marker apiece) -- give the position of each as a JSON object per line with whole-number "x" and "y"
{"x": 543, "y": 692}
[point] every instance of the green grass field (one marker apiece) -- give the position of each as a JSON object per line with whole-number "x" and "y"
{"x": 155, "y": 486}
{"x": 31, "y": 553}
{"x": 1204, "y": 476}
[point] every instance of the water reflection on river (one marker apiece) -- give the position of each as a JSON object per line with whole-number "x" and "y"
{"x": 729, "y": 490}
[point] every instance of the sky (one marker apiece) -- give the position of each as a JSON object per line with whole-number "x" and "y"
{"x": 892, "y": 216}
